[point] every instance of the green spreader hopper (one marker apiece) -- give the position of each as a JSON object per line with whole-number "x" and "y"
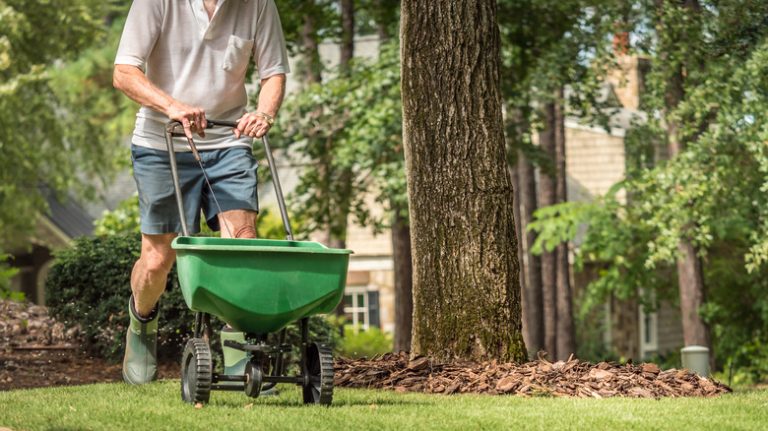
{"x": 259, "y": 285}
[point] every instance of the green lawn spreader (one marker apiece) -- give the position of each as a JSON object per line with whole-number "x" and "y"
{"x": 257, "y": 286}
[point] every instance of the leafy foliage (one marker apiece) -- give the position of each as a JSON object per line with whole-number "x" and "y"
{"x": 712, "y": 194}
{"x": 347, "y": 134}
{"x": 43, "y": 137}
{"x": 365, "y": 343}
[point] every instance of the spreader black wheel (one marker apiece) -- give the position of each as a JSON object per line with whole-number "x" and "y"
{"x": 196, "y": 372}
{"x": 253, "y": 379}
{"x": 318, "y": 387}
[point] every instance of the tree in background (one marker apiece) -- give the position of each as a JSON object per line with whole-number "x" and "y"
{"x": 548, "y": 46}
{"x": 465, "y": 281}
{"x": 707, "y": 189}
{"x": 55, "y": 134}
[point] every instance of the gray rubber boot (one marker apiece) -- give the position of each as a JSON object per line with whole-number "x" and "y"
{"x": 140, "y": 360}
{"x": 235, "y": 360}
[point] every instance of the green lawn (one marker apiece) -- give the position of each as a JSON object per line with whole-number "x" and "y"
{"x": 158, "y": 407}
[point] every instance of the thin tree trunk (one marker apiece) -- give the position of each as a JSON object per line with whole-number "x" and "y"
{"x": 547, "y": 197}
{"x": 382, "y": 27}
{"x": 312, "y": 68}
{"x": 401, "y": 255}
{"x": 533, "y": 313}
{"x": 347, "y": 33}
{"x": 465, "y": 268}
{"x": 513, "y": 172}
{"x": 566, "y": 335}
{"x": 690, "y": 275}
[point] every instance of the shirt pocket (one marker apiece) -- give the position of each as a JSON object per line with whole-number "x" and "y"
{"x": 237, "y": 54}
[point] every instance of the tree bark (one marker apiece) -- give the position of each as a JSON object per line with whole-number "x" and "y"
{"x": 533, "y": 313}
{"x": 547, "y": 197}
{"x": 566, "y": 335}
{"x": 347, "y": 34}
{"x": 312, "y": 68}
{"x": 466, "y": 290}
{"x": 401, "y": 255}
{"x": 382, "y": 27}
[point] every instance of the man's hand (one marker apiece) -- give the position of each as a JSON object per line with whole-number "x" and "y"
{"x": 253, "y": 124}
{"x": 192, "y": 118}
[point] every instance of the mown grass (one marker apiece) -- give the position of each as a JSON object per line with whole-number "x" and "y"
{"x": 158, "y": 407}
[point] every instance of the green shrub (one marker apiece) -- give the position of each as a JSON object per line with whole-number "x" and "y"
{"x": 89, "y": 285}
{"x": 365, "y": 343}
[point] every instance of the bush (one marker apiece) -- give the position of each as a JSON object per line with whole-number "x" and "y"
{"x": 365, "y": 343}
{"x": 89, "y": 286}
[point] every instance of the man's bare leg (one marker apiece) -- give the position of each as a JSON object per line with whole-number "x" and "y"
{"x": 148, "y": 280}
{"x": 150, "y": 273}
{"x": 238, "y": 223}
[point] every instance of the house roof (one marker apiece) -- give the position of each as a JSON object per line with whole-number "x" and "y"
{"x": 68, "y": 215}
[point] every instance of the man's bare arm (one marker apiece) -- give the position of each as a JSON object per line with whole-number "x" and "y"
{"x": 254, "y": 124}
{"x": 134, "y": 83}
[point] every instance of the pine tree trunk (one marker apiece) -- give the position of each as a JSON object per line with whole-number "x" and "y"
{"x": 566, "y": 335}
{"x": 401, "y": 255}
{"x": 690, "y": 274}
{"x": 347, "y": 33}
{"x": 533, "y": 313}
{"x": 519, "y": 230}
{"x": 466, "y": 290}
{"x": 311, "y": 67}
{"x": 547, "y": 197}
{"x": 381, "y": 27}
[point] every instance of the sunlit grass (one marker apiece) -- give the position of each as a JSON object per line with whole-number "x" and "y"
{"x": 159, "y": 407}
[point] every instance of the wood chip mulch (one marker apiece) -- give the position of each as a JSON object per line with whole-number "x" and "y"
{"x": 572, "y": 378}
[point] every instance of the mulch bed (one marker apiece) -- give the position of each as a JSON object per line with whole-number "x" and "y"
{"x": 572, "y": 378}
{"x": 36, "y": 351}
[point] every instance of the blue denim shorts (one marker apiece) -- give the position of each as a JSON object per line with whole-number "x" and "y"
{"x": 232, "y": 172}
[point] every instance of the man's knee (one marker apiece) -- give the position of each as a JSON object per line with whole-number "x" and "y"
{"x": 238, "y": 223}
{"x": 157, "y": 255}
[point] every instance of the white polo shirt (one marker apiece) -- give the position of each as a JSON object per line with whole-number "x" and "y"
{"x": 201, "y": 62}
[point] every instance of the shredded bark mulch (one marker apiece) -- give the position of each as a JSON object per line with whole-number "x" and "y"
{"x": 572, "y": 378}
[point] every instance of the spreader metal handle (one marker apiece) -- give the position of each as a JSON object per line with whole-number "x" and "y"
{"x": 170, "y": 132}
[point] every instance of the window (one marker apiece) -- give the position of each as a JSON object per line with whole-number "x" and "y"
{"x": 649, "y": 332}
{"x": 361, "y": 306}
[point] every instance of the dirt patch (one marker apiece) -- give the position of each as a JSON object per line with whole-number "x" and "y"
{"x": 572, "y": 378}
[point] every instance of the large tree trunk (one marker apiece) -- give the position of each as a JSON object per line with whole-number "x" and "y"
{"x": 401, "y": 255}
{"x": 533, "y": 313}
{"x": 690, "y": 275}
{"x": 547, "y": 197}
{"x": 566, "y": 335}
{"x": 466, "y": 290}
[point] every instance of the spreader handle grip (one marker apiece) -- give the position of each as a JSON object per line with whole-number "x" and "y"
{"x": 222, "y": 123}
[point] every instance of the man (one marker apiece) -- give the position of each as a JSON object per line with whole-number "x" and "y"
{"x": 187, "y": 61}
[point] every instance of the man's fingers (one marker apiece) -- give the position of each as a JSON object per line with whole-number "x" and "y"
{"x": 187, "y": 128}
